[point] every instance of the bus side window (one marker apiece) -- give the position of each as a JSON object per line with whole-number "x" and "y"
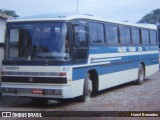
{"x": 145, "y": 36}
{"x": 111, "y": 34}
{"x": 80, "y": 42}
{"x": 80, "y": 34}
{"x": 96, "y": 33}
{"x": 153, "y": 39}
{"x": 135, "y": 36}
{"x": 125, "y": 37}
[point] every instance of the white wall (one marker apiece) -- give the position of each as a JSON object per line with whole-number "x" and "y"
{"x": 2, "y": 29}
{"x": 2, "y": 38}
{"x": 1, "y": 57}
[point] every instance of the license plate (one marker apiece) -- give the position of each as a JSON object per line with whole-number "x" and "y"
{"x": 37, "y": 91}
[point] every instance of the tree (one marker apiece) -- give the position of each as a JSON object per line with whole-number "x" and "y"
{"x": 152, "y": 18}
{"x": 9, "y": 12}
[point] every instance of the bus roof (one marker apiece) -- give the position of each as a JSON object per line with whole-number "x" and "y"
{"x": 52, "y": 17}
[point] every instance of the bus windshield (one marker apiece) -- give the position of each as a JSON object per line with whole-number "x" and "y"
{"x": 38, "y": 41}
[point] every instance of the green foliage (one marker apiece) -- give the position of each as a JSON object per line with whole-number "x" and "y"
{"x": 152, "y": 18}
{"x": 9, "y": 12}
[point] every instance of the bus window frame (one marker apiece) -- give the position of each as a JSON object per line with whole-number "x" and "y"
{"x": 126, "y": 43}
{"x": 155, "y": 37}
{"x": 72, "y": 38}
{"x": 139, "y": 35}
{"x": 105, "y": 28}
{"x": 142, "y": 37}
{"x": 89, "y": 40}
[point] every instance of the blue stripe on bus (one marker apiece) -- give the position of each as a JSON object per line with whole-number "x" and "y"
{"x": 79, "y": 73}
{"x": 106, "y": 49}
{"x": 127, "y": 58}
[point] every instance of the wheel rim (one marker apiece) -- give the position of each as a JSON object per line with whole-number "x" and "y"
{"x": 141, "y": 74}
{"x": 88, "y": 87}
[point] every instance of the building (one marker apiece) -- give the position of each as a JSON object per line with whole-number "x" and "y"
{"x": 3, "y": 19}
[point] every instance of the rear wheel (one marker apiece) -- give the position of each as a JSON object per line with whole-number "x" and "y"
{"x": 87, "y": 89}
{"x": 140, "y": 79}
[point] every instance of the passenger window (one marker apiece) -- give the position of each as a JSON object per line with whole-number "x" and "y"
{"x": 111, "y": 34}
{"x": 125, "y": 37}
{"x": 153, "y": 38}
{"x": 145, "y": 37}
{"x": 96, "y": 32}
{"x": 135, "y": 36}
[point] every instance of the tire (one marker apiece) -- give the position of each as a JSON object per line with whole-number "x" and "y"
{"x": 141, "y": 73}
{"x": 87, "y": 89}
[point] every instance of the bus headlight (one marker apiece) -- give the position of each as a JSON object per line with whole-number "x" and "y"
{"x": 9, "y": 90}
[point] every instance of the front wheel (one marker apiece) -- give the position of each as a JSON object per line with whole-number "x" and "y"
{"x": 140, "y": 79}
{"x": 87, "y": 89}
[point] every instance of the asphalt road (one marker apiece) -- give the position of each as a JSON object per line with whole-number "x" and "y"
{"x": 128, "y": 97}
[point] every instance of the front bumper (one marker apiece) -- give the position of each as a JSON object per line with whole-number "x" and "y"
{"x": 43, "y": 91}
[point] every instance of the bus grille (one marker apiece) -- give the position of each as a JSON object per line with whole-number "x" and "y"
{"x": 55, "y": 80}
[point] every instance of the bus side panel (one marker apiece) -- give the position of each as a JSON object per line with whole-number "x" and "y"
{"x": 151, "y": 69}
{"x": 153, "y": 65}
{"x": 115, "y": 65}
{"x": 117, "y": 78}
{"x": 77, "y": 87}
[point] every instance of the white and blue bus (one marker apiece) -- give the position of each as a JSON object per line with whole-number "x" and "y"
{"x": 78, "y": 55}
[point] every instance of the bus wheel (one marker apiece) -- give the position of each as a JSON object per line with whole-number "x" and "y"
{"x": 140, "y": 79}
{"x": 87, "y": 89}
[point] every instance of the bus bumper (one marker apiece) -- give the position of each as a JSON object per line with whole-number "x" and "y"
{"x": 43, "y": 91}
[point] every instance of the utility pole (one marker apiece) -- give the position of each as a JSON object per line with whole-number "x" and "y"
{"x": 77, "y": 6}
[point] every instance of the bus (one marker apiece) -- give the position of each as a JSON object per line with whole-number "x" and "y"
{"x": 75, "y": 56}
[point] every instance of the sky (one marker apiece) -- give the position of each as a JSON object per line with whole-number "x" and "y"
{"x": 121, "y": 10}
